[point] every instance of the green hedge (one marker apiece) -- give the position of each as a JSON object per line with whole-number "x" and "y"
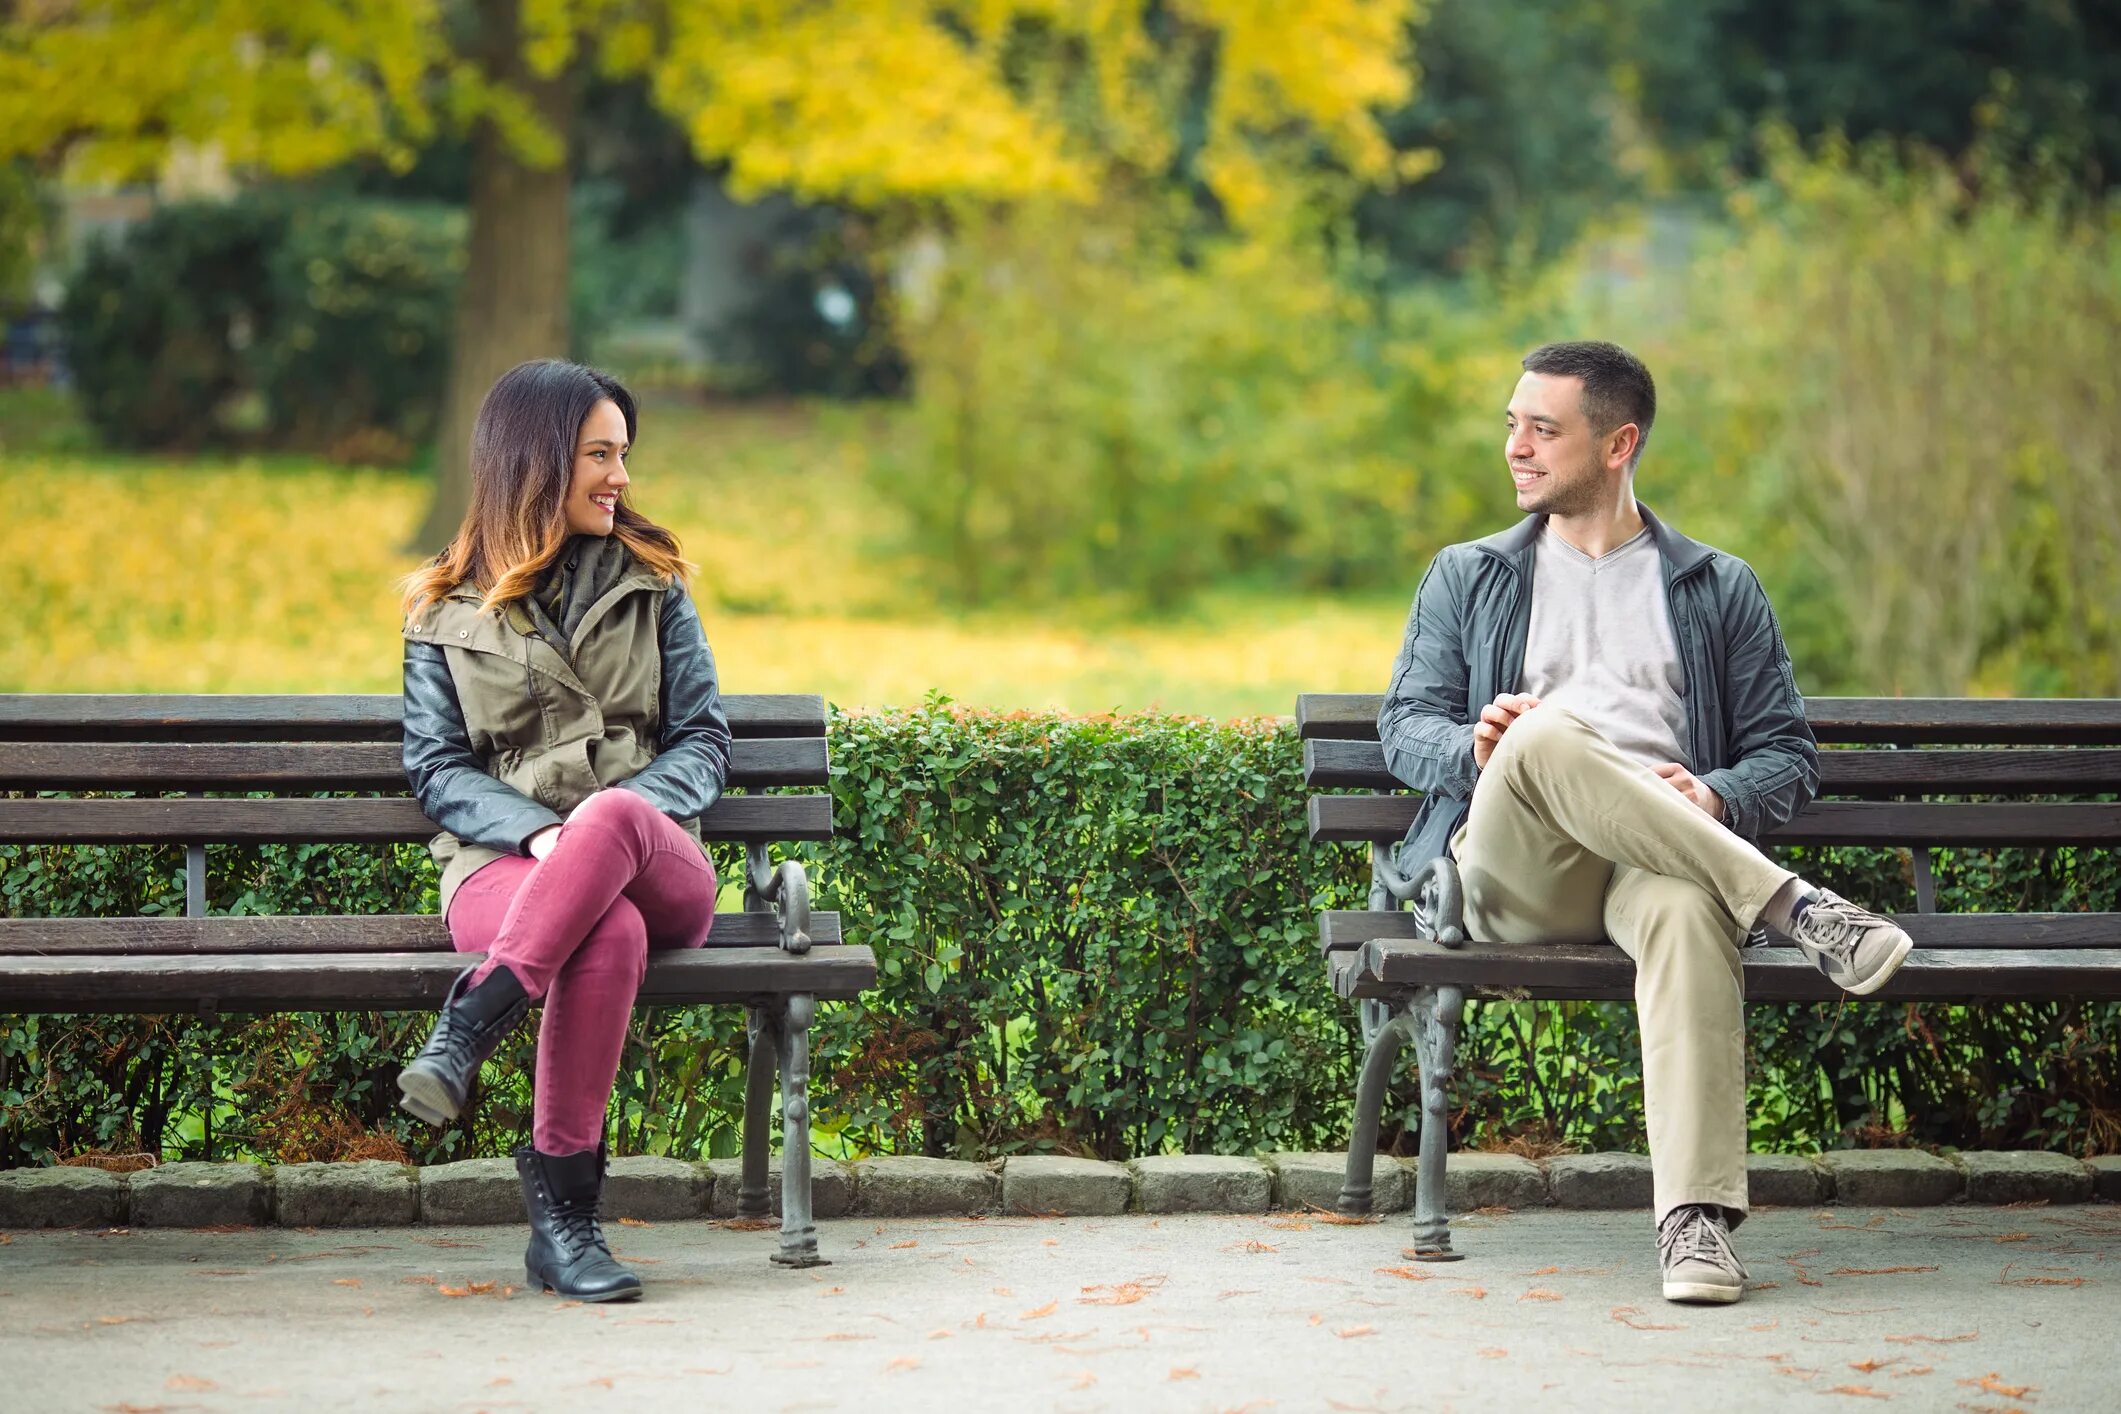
{"x": 1096, "y": 936}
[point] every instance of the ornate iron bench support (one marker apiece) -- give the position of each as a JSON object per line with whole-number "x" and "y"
{"x": 779, "y": 1036}
{"x": 1431, "y": 1020}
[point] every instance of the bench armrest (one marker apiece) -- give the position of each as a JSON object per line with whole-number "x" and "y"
{"x": 784, "y": 889}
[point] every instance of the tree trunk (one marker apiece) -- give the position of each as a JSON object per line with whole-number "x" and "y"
{"x": 513, "y": 303}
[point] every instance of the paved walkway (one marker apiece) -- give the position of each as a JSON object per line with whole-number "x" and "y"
{"x": 1952, "y": 1308}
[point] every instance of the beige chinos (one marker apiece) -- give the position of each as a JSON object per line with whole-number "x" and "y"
{"x": 1570, "y": 841}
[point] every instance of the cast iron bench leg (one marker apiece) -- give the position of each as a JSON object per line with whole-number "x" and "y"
{"x": 760, "y": 1028}
{"x": 1385, "y": 1032}
{"x": 1435, "y": 1015}
{"x": 798, "y": 1232}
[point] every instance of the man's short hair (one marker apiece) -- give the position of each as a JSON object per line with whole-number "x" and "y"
{"x": 1617, "y": 388}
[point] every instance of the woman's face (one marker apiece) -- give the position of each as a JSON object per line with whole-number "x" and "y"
{"x": 599, "y": 470}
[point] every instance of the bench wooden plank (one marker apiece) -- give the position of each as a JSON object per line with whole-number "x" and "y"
{"x": 393, "y": 981}
{"x": 1359, "y": 818}
{"x": 1345, "y": 930}
{"x": 304, "y": 716}
{"x": 179, "y": 821}
{"x": 315, "y": 765}
{"x": 1360, "y": 765}
{"x": 322, "y": 933}
{"x": 1600, "y": 971}
{"x": 2026, "y": 721}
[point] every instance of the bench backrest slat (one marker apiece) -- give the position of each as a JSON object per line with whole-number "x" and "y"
{"x": 1385, "y": 818}
{"x": 1339, "y": 764}
{"x": 300, "y": 933}
{"x": 147, "y": 717}
{"x": 2073, "y": 721}
{"x": 191, "y": 822}
{"x": 314, "y": 765}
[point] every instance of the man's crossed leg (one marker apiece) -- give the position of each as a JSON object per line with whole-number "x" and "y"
{"x": 1569, "y": 840}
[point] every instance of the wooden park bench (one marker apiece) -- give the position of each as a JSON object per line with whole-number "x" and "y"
{"x": 1410, "y": 969}
{"x": 249, "y": 769}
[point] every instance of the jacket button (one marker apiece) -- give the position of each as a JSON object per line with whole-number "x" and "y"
{"x": 463, "y": 633}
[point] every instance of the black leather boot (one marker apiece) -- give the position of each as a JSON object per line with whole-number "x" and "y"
{"x": 568, "y": 1254}
{"x": 473, "y": 1021}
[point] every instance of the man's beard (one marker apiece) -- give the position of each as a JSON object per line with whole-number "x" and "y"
{"x": 1572, "y": 496}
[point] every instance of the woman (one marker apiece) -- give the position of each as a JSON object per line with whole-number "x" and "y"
{"x": 563, "y": 727}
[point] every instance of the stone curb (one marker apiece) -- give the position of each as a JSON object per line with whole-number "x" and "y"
{"x": 371, "y": 1193}
{"x": 1201, "y": 1183}
{"x": 1893, "y": 1178}
{"x": 1054, "y": 1185}
{"x": 2024, "y": 1176}
{"x": 1306, "y": 1181}
{"x": 477, "y": 1191}
{"x": 201, "y": 1195}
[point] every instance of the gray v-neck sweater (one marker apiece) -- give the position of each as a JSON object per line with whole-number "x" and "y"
{"x": 1601, "y": 644}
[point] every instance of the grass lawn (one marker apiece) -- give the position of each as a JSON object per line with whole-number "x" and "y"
{"x": 125, "y": 573}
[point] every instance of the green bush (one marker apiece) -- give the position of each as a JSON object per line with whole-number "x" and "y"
{"x": 268, "y": 321}
{"x": 1094, "y": 936}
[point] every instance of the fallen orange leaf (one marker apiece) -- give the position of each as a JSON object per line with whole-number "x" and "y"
{"x": 471, "y": 1288}
{"x": 190, "y": 1382}
{"x": 1084, "y": 1380}
{"x": 1860, "y": 1391}
{"x": 1251, "y": 1245}
{"x": 1350, "y": 1332}
{"x": 1039, "y": 1313}
{"x": 902, "y": 1246}
{"x": 1184, "y": 1372}
{"x": 1539, "y": 1293}
{"x": 1493, "y": 1352}
{"x": 1478, "y": 1293}
{"x": 1992, "y": 1383}
{"x": 1404, "y": 1273}
{"x": 346, "y": 1281}
{"x": 1630, "y": 1316}
{"x": 903, "y": 1362}
{"x": 1875, "y": 1271}
{"x": 848, "y": 1335}
{"x": 1933, "y": 1339}
{"x": 634, "y": 1222}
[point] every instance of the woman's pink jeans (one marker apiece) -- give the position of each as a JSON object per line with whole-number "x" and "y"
{"x": 575, "y": 928}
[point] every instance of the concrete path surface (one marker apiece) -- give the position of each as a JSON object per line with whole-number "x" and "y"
{"x": 1981, "y": 1309}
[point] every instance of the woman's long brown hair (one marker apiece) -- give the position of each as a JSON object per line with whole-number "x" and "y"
{"x": 522, "y": 463}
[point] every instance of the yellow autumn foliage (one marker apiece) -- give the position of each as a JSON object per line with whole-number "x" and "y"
{"x": 852, "y": 100}
{"x": 235, "y": 575}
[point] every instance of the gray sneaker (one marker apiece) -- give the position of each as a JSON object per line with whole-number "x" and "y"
{"x": 1857, "y": 950}
{"x": 1699, "y": 1264}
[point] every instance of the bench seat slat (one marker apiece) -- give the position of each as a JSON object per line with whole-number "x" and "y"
{"x": 1360, "y": 765}
{"x": 68, "y": 716}
{"x": 1345, "y": 930}
{"x": 322, "y": 933}
{"x": 314, "y": 765}
{"x": 393, "y": 981}
{"x": 178, "y": 821}
{"x": 1599, "y": 971}
{"x": 1386, "y": 818}
{"x": 2026, "y": 721}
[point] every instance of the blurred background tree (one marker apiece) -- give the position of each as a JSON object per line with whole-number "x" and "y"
{"x": 870, "y": 101}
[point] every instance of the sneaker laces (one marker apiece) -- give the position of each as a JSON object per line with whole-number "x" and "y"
{"x": 1691, "y": 1234}
{"x": 1833, "y": 924}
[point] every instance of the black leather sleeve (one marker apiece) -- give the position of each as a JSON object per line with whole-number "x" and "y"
{"x": 692, "y": 757}
{"x": 453, "y": 789}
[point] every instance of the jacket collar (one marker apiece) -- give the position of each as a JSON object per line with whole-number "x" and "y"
{"x": 458, "y": 622}
{"x": 1681, "y": 554}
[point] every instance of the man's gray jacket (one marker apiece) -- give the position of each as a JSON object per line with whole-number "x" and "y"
{"x": 1746, "y": 733}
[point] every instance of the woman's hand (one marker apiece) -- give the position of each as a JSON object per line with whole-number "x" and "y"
{"x": 542, "y": 842}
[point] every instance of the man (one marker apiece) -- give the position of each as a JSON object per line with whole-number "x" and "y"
{"x": 1602, "y": 715}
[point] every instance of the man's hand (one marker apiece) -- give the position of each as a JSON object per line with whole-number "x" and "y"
{"x": 542, "y": 842}
{"x": 1687, "y": 785}
{"x": 1495, "y": 719}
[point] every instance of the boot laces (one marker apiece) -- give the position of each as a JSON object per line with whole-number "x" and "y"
{"x": 580, "y": 1226}
{"x": 1692, "y": 1234}
{"x": 455, "y": 1039}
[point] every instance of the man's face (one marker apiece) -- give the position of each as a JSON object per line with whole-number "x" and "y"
{"x": 1556, "y": 458}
